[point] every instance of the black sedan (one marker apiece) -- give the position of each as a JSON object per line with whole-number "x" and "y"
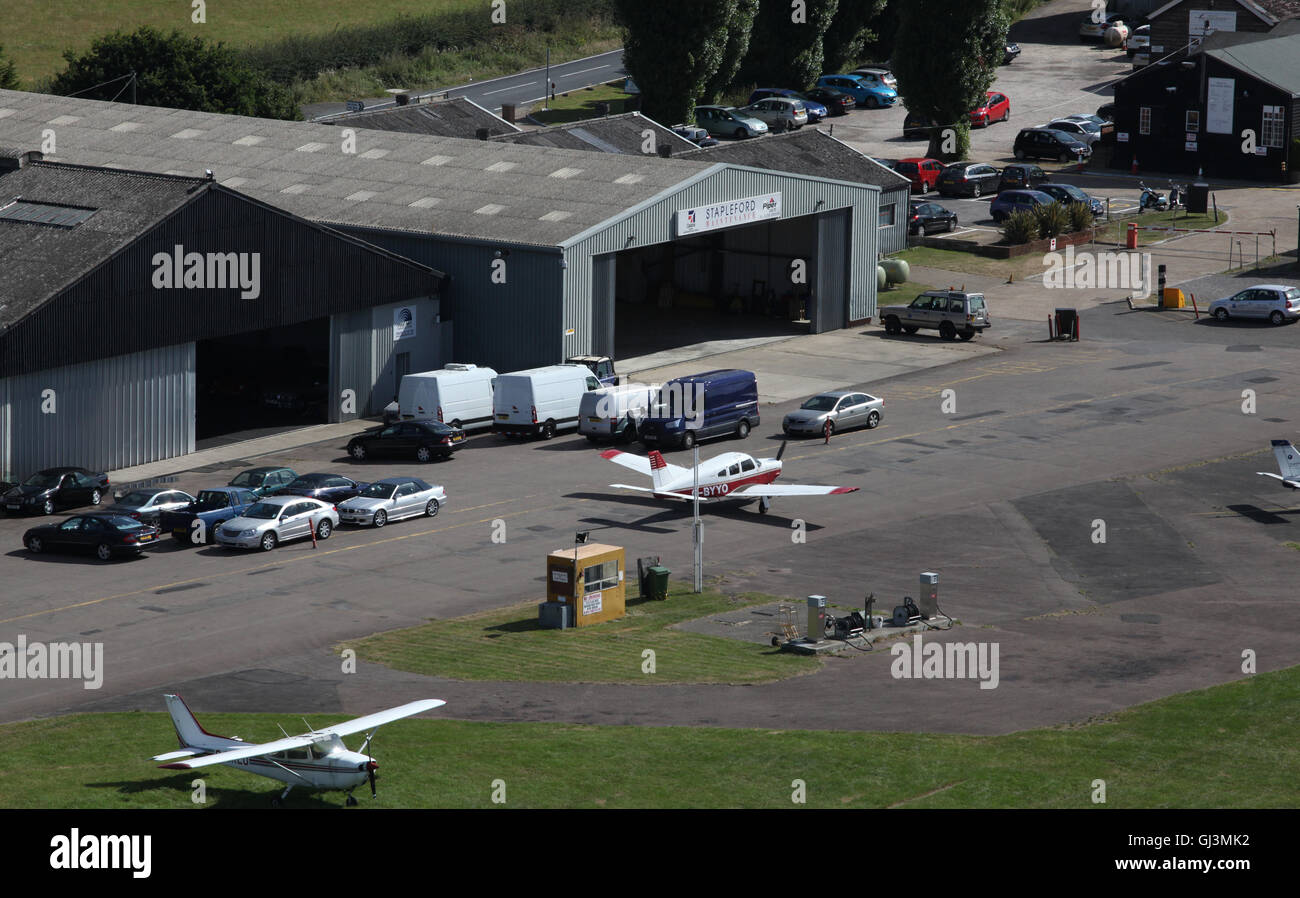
{"x": 422, "y": 440}
{"x": 54, "y": 488}
{"x": 837, "y": 102}
{"x": 924, "y": 217}
{"x": 331, "y": 488}
{"x": 104, "y": 534}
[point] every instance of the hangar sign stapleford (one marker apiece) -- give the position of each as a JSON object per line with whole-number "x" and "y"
{"x": 725, "y": 215}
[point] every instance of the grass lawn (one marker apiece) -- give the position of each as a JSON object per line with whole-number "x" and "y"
{"x": 508, "y": 644}
{"x": 1229, "y": 746}
{"x": 1116, "y": 231}
{"x": 581, "y": 104}
{"x": 957, "y": 261}
{"x": 902, "y": 295}
{"x": 36, "y": 32}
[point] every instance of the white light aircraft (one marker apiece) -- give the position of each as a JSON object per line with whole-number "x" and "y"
{"x": 1288, "y": 461}
{"x": 314, "y": 760}
{"x": 731, "y": 476}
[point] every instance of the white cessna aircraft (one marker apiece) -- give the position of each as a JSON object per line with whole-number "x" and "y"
{"x": 1288, "y": 462}
{"x": 315, "y": 760}
{"x": 729, "y": 476}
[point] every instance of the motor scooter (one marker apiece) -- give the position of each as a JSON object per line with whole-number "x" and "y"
{"x": 1151, "y": 199}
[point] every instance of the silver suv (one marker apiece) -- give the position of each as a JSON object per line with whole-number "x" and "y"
{"x": 954, "y": 313}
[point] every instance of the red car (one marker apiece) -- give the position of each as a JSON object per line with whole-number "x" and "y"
{"x": 997, "y": 108}
{"x": 922, "y": 172}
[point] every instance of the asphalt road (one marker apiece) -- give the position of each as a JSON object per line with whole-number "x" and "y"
{"x": 521, "y": 88}
{"x": 1140, "y": 426}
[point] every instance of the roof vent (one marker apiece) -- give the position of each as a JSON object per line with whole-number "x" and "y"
{"x": 481, "y": 133}
{"x": 665, "y": 150}
{"x": 12, "y": 160}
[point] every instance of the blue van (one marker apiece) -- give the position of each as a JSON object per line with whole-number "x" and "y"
{"x": 730, "y": 406}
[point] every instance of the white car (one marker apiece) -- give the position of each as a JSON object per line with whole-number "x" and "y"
{"x": 278, "y": 519}
{"x": 392, "y": 499}
{"x": 779, "y": 113}
{"x": 1140, "y": 40}
{"x": 1081, "y": 130}
{"x": 1275, "y": 302}
{"x": 1096, "y": 31}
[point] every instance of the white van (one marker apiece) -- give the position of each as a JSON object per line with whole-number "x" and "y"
{"x": 459, "y": 395}
{"x": 613, "y": 412}
{"x": 540, "y": 401}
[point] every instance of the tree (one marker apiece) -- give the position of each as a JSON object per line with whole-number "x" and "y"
{"x": 946, "y": 54}
{"x": 738, "y": 33}
{"x": 672, "y": 49}
{"x": 8, "y": 72}
{"x": 785, "y": 49}
{"x": 856, "y": 26}
{"x": 172, "y": 70}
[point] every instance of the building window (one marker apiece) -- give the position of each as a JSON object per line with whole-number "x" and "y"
{"x": 1144, "y": 120}
{"x": 1274, "y": 120}
{"x": 1193, "y": 120}
{"x": 887, "y": 216}
{"x": 600, "y": 577}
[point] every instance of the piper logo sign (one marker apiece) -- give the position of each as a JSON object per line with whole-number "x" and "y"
{"x": 725, "y": 215}
{"x": 403, "y": 323}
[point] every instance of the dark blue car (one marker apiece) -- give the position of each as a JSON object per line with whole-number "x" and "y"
{"x": 1009, "y": 201}
{"x": 700, "y": 406}
{"x": 212, "y": 507}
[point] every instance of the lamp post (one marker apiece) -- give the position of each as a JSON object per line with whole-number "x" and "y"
{"x": 697, "y": 530}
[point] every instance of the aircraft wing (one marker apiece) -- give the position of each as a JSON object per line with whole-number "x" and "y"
{"x": 641, "y": 464}
{"x": 1294, "y": 484}
{"x": 173, "y": 755}
{"x": 238, "y": 754}
{"x": 370, "y": 721}
{"x": 646, "y": 489}
{"x": 638, "y": 463}
{"x": 772, "y": 490}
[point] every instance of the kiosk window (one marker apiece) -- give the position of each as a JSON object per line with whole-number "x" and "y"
{"x": 600, "y": 577}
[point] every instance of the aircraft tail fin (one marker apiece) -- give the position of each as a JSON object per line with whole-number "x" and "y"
{"x": 658, "y": 467}
{"x": 188, "y": 730}
{"x": 1288, "y": 459}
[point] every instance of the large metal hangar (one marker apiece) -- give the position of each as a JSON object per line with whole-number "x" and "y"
{"x": 141, "y": 313}
{"x": 531, "y": 237}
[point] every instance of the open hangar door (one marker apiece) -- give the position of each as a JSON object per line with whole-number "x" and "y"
{"x": 733, "y": 284}
{"x": 261, "y": 381}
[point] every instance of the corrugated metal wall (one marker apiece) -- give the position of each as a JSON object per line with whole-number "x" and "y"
{"x": 508, "y": 326}
{"x": 108, "y": 414}
{"x": 656, "y": 222}
{"x": 425, "y": 349}
{"x": 603, "y": 288}
{"x": 893, "y": 238}
{"x": 831, "y": 276}
{"x": 306, "y": 273}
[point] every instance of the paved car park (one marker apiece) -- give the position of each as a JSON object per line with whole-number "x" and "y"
{"x": 1140, "y": 425}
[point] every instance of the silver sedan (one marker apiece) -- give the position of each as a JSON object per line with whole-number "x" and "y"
{"x": 842, "y": 409}
{"x": 392, "y": 499}
{"x": 278, "y": 519}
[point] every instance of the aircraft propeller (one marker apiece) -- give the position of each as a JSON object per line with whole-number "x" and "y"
{"x": 371, "y": 766}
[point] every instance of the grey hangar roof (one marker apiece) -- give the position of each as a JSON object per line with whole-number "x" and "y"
{"x": 450, "y": 187}
{"x": 413, "y": 182}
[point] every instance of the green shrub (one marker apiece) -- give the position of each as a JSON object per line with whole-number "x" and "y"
{"x": 1019, "y": 227}
{"x": 1080, "y": 216}
{"x": 1052, "y": 219}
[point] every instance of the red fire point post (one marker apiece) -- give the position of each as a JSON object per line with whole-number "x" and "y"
{"x": 826, "y": 431}
{"x": 313, "y": 534}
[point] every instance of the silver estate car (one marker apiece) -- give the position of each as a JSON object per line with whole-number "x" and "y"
{"x": 278, "y": 519}
{"x": 147, "y": 505}
{"x": 392, "y": 499}
{"x": 1277, "y": 303}
{"x": 842, "y": 408}
{"x": 780, "y": 113}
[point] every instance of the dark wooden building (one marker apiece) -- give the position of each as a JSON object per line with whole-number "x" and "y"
{"x": 1191, "y": 110}
{"x": 1177, "y": 24}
